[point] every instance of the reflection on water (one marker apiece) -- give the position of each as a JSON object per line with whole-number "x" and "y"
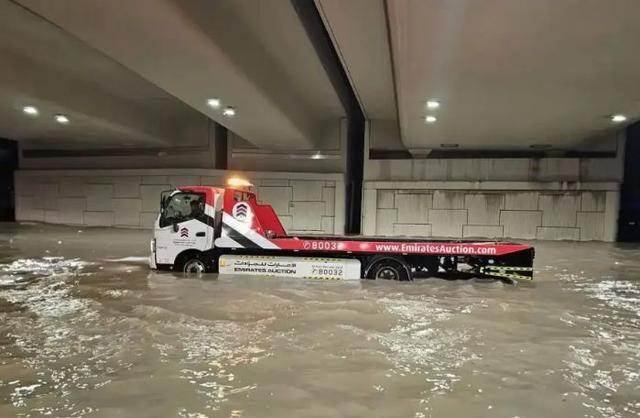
{"x": 606, "y": 365}
{"x": 87, "y": 330}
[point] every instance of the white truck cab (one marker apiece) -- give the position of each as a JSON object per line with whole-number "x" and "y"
{"x": 186, "y": 222}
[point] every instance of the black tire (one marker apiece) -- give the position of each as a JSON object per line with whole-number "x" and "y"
{"x": 389, "y": 269}
{"x": 193, "y": 263}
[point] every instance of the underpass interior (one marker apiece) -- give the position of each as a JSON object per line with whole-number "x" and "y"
{"x": 469, "y": 123}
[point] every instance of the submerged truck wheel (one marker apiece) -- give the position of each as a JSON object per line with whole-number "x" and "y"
{"x": 192, "y": 262}
{"x": 194, "y": 265}
{"x": 388, "y": 268}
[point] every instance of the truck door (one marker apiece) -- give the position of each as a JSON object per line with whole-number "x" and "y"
{"x": 182, "y": 225}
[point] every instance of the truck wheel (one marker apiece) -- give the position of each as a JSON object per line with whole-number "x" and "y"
{"x": 389, "y": 269}
{"x": 194, "y": 265}
{"x": 192, "y": 262}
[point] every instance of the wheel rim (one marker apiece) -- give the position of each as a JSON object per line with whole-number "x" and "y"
{"x": 388, "y": 273}
{"x": 194, "y": 266}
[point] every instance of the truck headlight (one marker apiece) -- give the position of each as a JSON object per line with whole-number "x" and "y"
{"x": 152, "y": 245}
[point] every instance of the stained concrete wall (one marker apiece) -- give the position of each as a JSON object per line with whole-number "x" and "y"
{"x": 526, "y": 210}
{"x": 309, "y": 203}
{"x": 497, "y": 169}
{"x": 524, "y": 198}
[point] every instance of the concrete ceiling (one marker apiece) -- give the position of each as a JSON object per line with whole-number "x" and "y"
{"x": 44, "y": 67}
{"x": 359, "y": 33}
{"x": 254, "y": 56}
{"x": 509, "y": 74}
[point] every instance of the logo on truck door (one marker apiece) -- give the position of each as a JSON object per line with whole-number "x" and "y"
{"x": 242, "y": 212}
{"x": 184, "y": 233}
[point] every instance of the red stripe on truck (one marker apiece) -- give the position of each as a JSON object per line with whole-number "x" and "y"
{"x": 435, "y": 248}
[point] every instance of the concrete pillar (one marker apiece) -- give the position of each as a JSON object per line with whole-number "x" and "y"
{"x": 8, "y": 164}
{"x": 629, "y": 217}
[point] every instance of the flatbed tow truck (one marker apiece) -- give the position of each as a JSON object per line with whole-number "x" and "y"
{"x": 225, "y": 230}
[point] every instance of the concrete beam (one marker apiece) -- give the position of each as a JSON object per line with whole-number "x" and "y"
{"x": 24, "y": 81}
{"x": 194, "y": 51}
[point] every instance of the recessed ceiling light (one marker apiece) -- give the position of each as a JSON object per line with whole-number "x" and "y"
{"x": 30, "y": 110}
{"x": 618, "y": 118}
{"x": 449, "y": 145}
{"x": 214, "y": 103}
{"x": 433, "y": 104}
{"x": 229, "y": 111}
{"x": 62, "y": 119}
{"x": 430, "y": 119}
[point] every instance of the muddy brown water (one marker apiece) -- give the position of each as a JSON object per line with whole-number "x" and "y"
{"x": 87, "y": 330}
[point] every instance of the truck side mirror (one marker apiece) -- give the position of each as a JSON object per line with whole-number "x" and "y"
{"x": 175, "y": 227}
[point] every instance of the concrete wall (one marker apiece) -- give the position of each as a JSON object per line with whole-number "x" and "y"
{"x": 497, "y": 169}
{"x": 307, "y": 203}
{"x": 525, "y": 210}
{"x": 524, "y": 198}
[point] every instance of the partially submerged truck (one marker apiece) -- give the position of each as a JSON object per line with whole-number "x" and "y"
{"x": 225, "y": 230}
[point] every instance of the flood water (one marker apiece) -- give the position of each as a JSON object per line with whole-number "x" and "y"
{"x": 87, "y": 330}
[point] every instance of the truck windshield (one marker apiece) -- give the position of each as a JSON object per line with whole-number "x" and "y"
{"x": 182, "y": 207}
